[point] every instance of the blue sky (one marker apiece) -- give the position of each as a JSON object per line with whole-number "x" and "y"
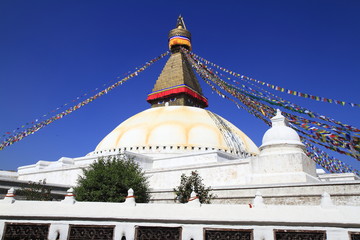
{"x": 54, "y": 51}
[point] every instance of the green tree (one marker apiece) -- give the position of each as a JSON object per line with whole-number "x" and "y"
{"x": 36, "y": 191}
{"x": 193, "y": 183}
{"x": 110, "y": 178}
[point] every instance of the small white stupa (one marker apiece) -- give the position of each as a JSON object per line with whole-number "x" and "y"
{"x": 282, "y": 156}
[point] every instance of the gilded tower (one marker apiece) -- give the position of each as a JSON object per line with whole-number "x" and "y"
{"x": 177, "y": 84}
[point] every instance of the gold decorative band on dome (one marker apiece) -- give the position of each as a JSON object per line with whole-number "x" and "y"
{"x": 179, "y": 40}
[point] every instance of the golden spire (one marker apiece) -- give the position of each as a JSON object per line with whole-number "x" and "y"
{"x": 177, "y": 84}
{"x": 180, "y": 22}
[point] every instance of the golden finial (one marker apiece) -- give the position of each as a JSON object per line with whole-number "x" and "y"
{"x": 179, "y": 36}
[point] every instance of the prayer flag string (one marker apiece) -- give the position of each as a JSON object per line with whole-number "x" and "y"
{"x": 334, "y": 141}
{"x": 39, "y": 119}
{"x": 253, "y": 101}
{"x": 39, "y": 125}
{"x": 277, "y": 88}
{"x": 284, "y": 103}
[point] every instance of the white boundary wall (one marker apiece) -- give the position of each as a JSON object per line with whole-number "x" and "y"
{"x": 193, "y": 217}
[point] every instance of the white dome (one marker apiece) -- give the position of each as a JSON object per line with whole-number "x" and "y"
{"x": 170, "y": 128}
{"x": 280, "y": 133}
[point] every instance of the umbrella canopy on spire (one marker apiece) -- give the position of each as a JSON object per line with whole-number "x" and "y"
{"x": 179, "y": 36}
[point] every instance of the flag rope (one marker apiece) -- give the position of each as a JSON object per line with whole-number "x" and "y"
{"x": 254, "y": 100}
{"x": 277, "y": 88}
{"x": 39, "y": 125}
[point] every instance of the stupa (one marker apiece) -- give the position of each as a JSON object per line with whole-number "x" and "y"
{"x": 177, "y": 122}
{"x": 178, "y": 135}
{"x": 273, "y": 192}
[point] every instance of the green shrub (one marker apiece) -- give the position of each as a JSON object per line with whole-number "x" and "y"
{"x": 110, "y": 178}
{"x": 193, "y": 183}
